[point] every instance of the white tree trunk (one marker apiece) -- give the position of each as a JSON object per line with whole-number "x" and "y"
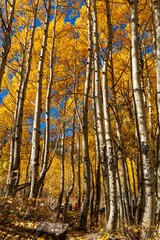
{"x": 98, "y": 158}
{"x": 148, "y": 180}
{"x": 112, "y": 221}
{"x": 16, "y": 139}
{"x": 86, "y": 186}
{"x": 36, "y": 125}
{"x": 100, "y": 126}
{"x": 120, "y": 154}
{"x": 14, "y": 167}
{"x": 47, "y": 114}
{"x": 59, "y": 204}
{"x": 72, "y": 169}
{"x": 79, "y": 172}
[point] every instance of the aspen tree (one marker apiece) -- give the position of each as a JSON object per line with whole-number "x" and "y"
{"x": 60, "y": 199}
{"x": 120, "y": 205}
{"x": 79, "y": 172}
{"x": 99, "y": 117}
{"x": 7, "y": 29}
{"x": 73, "y": 139}
{"x": 139, "y": 172}
{"x": 92, "y": 197}
{"x": 59, "y": 204}
{"x": 112, "y": 221}
{"x": 17, "y": 134}
{"x": 157, "y": 21}
{"x": 98, "y": 159}
{"x": 14, "y": 167}
{"x": 86, "y": 186}
{"x": 139, "y": 169}
{"x": 48, "y": 103}
{"x": 72, "y": 168}
{"x": 36, "y": 125}
{"x": 120, "y": 154}
{"x": 148, "y": 218}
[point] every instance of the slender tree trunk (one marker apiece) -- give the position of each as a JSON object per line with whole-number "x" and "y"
{"x": 139, "y": 166}
{"x": 59, "y": 204}
{"x": 92, "y": 198}
{"x": 120, "y": 204}
{"x": 149, "y": 193}
{"x": 134, "y": 187}
{"x": 36, "y": 125}
{"x": 47, "y": 114}
{"x": 14, "y": 167}
{"x": 120, "y": 154}
{"x": 7, "y": 26}
{"x": 86, "y": 187}
{"x": 99, "y": 118}
{"x": 98, "y": 158}
{"x": 129, "y": 188}
{"x": 72, "y": 171}
{"x": 157, "y": 21}
{"x": 17, "y": 134}
{"x": 139, "y": 173}
{"x": 79, "y": 172}
{"x": 149, "y": 105}
{"x": 112, "y": 221}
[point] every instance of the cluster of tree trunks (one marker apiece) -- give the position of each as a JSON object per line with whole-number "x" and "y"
{"x": 119, "y": 202}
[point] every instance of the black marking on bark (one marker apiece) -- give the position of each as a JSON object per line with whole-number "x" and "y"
{"x": 145, "y": 148}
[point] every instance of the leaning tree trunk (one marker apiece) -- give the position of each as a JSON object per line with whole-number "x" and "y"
{"x": 36, "y": 125}
{"x": 86, "y": 186}
{"x": 157, "y": 21}
{"x": 14, "y": 167}
{"x": 148, "y": 219}
{"x": 16, "y": 140}
{"x": 7, "y": 26}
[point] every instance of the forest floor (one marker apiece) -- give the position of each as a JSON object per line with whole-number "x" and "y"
{"x": 14, "y": 225}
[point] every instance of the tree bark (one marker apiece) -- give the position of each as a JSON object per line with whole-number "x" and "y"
{"x": 72, "y": 169}
{"x": 14, "y": 167}
{"x": 36, "y": 125}
{"x": 47, "y": 114}
{"x": 157, "y": 21}
{"x": 59, "y": 204}
{"x": 148, "y": 219}
{"x": 120, "y": 153}
{"x": 92, "y": 198}
{"x": 112, "y": 221}
{"x": 98, "y": 158}
{"x": 99, "y": 118}
{"x": 86, "y": 186}
{"x": 79, "y": 172}
{"x": 17, "y": 134}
